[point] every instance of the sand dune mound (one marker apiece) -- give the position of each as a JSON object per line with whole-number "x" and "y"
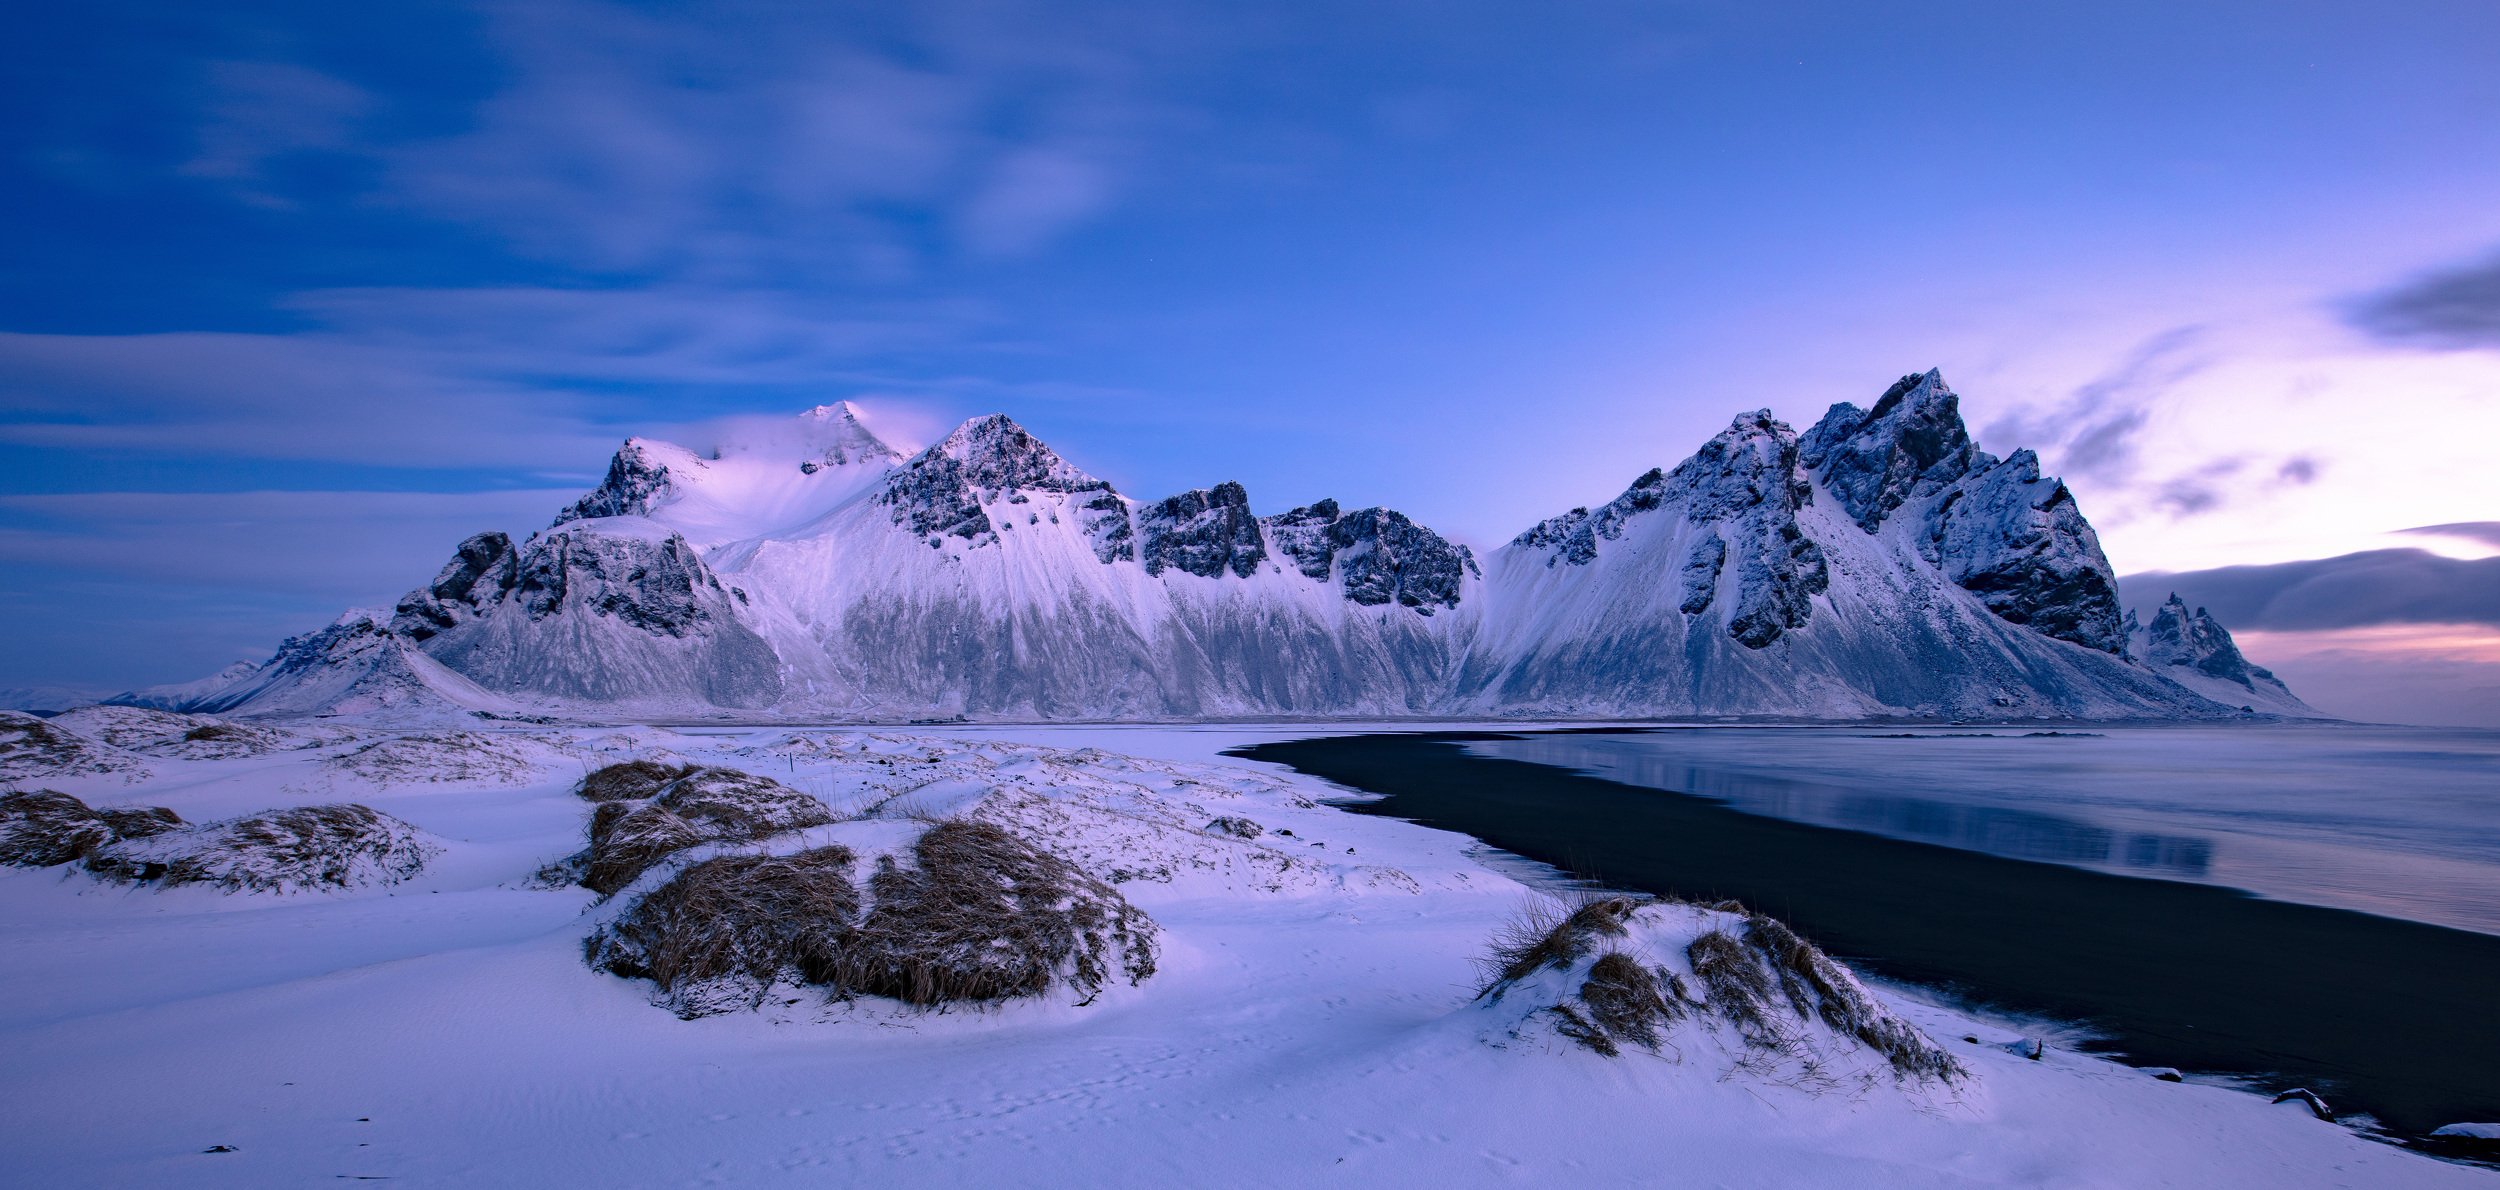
{"x": 978, "y": 916}
{"x": 308, "y": 848}
{"x": 1612, "y": 973}
{"x": 45, "y": 828}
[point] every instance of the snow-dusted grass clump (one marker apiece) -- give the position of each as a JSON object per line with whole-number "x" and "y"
{"x": 32, "y": 748}
{"x": 719, "y": 936}
{"x": 978, "y": 916}
{"x": 45, "y": 828}
{"x": 983, "y": 915}
{"x": 1668, "y": 977}
{"x": 307, "y": 848}
{"x": 630, "y": 780}
{"x": 178, "y": 736}
{"x": 445, "y": 758}
{"x": 700, "y": 805}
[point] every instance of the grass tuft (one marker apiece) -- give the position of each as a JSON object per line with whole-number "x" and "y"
{"x": 718, "y": 936}
{"x": 46, "y": 828}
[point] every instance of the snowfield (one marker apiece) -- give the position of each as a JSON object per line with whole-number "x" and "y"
{"x": 1312, "y": 1018}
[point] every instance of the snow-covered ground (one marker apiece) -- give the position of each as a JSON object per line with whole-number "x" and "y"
{"x": 1311, "y": 1021}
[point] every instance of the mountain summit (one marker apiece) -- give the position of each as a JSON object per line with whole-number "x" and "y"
{"x": 1881, "y": 564}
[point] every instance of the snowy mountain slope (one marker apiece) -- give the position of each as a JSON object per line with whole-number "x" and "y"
{"x": 1879, "y": 564}
{"x": 617, "y": 609}
{"x": 753, "y": 481}
{"x": 1883, "y": 565}
{"x": 175, "y": 695}
{"x": 988, "y": 575}
{"x": 2190, "y": 648}
{"x": 355, "y": 666}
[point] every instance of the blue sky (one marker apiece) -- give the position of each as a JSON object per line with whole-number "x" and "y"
{"x": 296, "y": 296}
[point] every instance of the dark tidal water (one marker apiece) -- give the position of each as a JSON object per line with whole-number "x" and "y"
{"x": 2396, "y": 1018}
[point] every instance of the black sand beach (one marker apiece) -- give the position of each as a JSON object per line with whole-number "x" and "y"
{"x": 2388, "y": 1017}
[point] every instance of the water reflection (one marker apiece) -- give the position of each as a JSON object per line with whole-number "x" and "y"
{"x": 1996, "y": 830}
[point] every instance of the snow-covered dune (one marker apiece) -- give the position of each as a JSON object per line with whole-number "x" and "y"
{"x": 1312, "y": 1015}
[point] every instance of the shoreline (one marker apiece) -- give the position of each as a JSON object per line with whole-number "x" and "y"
{"x": 2380, "y": 1014}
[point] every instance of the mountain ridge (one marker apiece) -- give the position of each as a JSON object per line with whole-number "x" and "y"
{"x": 1880, "y": 564}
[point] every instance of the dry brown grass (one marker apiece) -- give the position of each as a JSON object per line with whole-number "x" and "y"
{"x": 308, "y": 847}
{"x": 981, "y": 917}
{"x": 699, "y": 805}
{"x": 985, "y": 916}
{"x": 631, "y": 780}
{"x": 1814, "y": 984}
{"x": 716, "y": 938}
{"x": 45, "y": 828}
{"x": 1551, "y": 932}
{"x": 1749, "y": 980}
{"x": 1629, "y": 1002}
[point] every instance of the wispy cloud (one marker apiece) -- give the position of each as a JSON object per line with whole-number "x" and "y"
{"x": 2454, "y": 308}
{"x": 346, "y": 546}
{"x": 2374, "y": 587}
{"x": 2092, "y": 433}
{"x": 753, "y": 140}
{"x": 259, "y": 113}
{"x": 2479, "y": 532}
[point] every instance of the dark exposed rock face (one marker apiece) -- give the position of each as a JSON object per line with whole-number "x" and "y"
{"x": 1700, "y": 576}
{"x": 1302, "y": 535}
{"x": 2018, "y": 542}
{"x": 658, "y": 587}
{"x": 582, "y": 613}
{"x": 1204, "y": 532}
{"x": 944, "y": 491}
{"x": 482, "y": 571}
{"x": 633, "y": 479}
{"x": 1912, "y": 444}
{"x": 1996, "y": 528}
{"x": 1378, "y": 555}
{"x": 1743, "y": 486}
{"x": 1745, "y": 481}
{"x": 2178, "y": 636}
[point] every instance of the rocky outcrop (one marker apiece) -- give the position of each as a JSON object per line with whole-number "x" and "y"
{"x": 1744, "y": 490}
{"x": 634, "y": 481}
{"x": 482, "y": 571}
{"x": 2019, "y": 542}
{"x": 1206, "y": 532}
{"x": 1377, "y": 555}
{"x": 2195, "y": 641}
{"x": 1994, "y": 527}
{"x": 1911, "y": 444}
{"x": 605, "y": 610}
{"x": 950, "y": 489}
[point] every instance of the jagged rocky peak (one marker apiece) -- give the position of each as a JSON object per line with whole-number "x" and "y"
{"x": 481, "y": 572}
{"x": 948, "y": 489}
{"x": 1743, "y": 490}
{"x": 632, "y": 571}
{"x": 1377, "y": 555}
{"x": 1205, "y": 532}
{"x": 614, "y": 608}
{"x": 636, "y": 479}
{"x": 2019, "y": 542}
{"x": 2178, "y": 636}
{"x": 1911, "y": 444}
{"x": 1744, "y": 484}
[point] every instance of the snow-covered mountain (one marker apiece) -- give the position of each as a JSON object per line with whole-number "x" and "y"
{"x": 2192, "y": 649}
{"x": 1880, "y": 564}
